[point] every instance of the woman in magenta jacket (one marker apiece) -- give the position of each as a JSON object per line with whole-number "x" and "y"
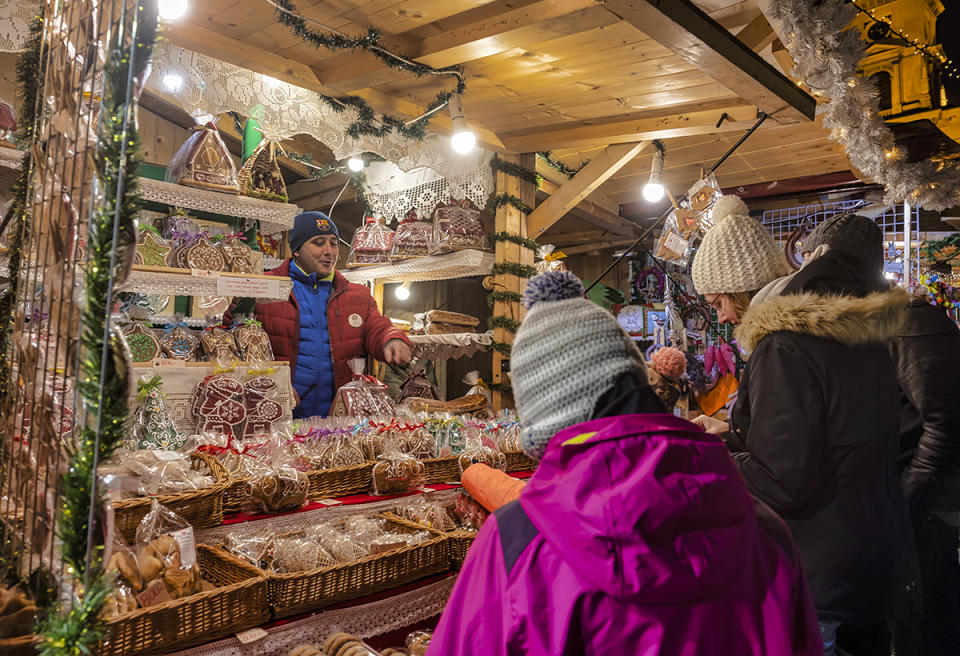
{"x": 327, "y": 321}
{"x": 636, "y": 534}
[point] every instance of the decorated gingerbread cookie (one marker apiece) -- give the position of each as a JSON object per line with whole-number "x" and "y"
{"x": 153, "y": 250}
{"x": 179, "y": 343}
{"x": 204, "y": 256}
{"x": 143, "y": 344}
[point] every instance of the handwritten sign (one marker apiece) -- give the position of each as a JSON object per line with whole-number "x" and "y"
{"x": 248, "y": 287}
{"x": 156, "y": 593}
{"x": 251, "y": 635}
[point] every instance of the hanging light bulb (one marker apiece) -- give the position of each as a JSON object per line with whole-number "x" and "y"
{"x": 463, "y": 140}
{"x": 653, "y": 191}
{"x": 171, "y": 9}
{"x": 403, "y": 291}
{"x": 355, "y": 164}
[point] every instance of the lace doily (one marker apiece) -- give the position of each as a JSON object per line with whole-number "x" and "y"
{"x": 274, "y": 217}
{"x": 365, "y": 621}
{"x": 446, "y": 347}
{"x": 392, "y": 192}
{"x": 436, "y": 267}
{"x": 212, "y": 86}
{"x": 179, "y": 384}
{"x": 184, "y": 284}
{"x": 15, "y": 17}
{"x": 10, "y": 157}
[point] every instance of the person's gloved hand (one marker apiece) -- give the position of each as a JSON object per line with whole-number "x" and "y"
{"x": 397, "y": 352}
{"x": 711, "y": 425}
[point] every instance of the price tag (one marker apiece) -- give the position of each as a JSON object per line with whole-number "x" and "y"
{"x": 164, "y": 362}
{"x": 251, "y": 635}
{"x": 330, "y": 502}
{"x": 156, "y": 593}
{"x": 676, "y": 243}
{"x": 203, "y": 273}
{"x": 248, "y": 287}
{"x": 188, "y": 549}
{"x": 160, "y": 454}
{"x": 427, "y": 489}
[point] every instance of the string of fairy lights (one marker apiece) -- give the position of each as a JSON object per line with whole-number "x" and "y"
{"x": 946, "y": 65}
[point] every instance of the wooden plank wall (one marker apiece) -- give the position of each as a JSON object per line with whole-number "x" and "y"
{"x": 588, "y": 267}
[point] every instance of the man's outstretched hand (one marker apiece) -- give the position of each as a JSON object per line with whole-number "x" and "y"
{"x": 397, "y": 352}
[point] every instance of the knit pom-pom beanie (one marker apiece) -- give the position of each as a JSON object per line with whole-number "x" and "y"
{"x": 737, "y": 254}
{"x": 567, "y": 353}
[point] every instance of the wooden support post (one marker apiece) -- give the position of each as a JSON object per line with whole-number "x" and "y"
{"x": 512, "y": 220}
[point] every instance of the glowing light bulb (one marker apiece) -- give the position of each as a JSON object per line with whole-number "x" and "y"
{"x": 463, "y": 142}
{"x": 653, "y": 192}
{"x": 403, "y": 292}
{"x": 172, "y": 81}
{"x": 355, "y": 164}
{"x": 171, "y": 9}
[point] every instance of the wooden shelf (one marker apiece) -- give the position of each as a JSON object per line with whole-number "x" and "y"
{"x": 187, "y": 282}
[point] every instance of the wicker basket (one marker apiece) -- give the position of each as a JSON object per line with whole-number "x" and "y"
{"x": 460, "y": 541}
{"x": 519, "y": 461}
{"x": 239, "y": 603}
{"x": 324, "y": 484}
{"x": 441, "y": 470}
{"x": 291, "y": 594}
{"x": 25, "y": 645}
{"x": 201, "y": 508}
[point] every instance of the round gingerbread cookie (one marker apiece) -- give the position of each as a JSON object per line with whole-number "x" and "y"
{"x": 335, "y": 641}
{"x": 143, "y": 344}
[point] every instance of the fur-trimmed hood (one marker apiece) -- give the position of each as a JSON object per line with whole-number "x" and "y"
{"x": 850, "y": 320}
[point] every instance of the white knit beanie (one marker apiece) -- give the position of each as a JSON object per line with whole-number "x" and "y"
{"x": 567, "y": 354}
{"x": 737, "y": 254}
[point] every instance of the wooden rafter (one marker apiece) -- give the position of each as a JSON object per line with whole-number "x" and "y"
{"x": 610, "y": 160}
{"x": 684, "y": 124}
{"x": 598, "y": 246}
{"x": 592, "y": 213}
{"x": 757, "y": 34}
{"x": 696, "y": 38}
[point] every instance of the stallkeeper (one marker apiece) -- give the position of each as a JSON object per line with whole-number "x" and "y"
{"x": 326, "y": 322}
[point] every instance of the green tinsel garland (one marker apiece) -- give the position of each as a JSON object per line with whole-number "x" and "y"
{"x": 502, "y": 347}
{"x": 514, "y": 269}
{"x": 504, "y": 322}
{"x": 560, "y": 166}
{"x": 500, "y": 200}
{"x": 516, "y": 171}
{"x": 367, "y": 122}
{"x": 30, "y": 74}
{"x": 82, "y": 627}
{"x": 505, "y": 296}
{"x": 503, "y": 388}
{"x": 526, "y": 242}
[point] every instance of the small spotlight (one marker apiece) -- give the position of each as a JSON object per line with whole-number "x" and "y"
{"x": 171, "y": 9}
{"x": 403, "y": 291}
{"x": 172, "y": 81}
{"x": 463, "y": 140}
{"x": 653, "y": 191}
{"x": 355, "y": 164}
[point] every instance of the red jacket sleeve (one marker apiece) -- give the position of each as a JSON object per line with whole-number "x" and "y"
{"x": 379, "y": 331}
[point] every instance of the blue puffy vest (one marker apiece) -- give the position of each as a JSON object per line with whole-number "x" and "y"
{"x": 313, "y": 375}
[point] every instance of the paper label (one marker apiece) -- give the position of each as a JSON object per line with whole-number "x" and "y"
{"x": 248, "y": 287}
{"x": 330, "y": 502}
{"x": 164, "y": 362}
{"x": 156, "y": 593}
{"x": 188, "y": 549}
{"x": 427, "y": 489}
{"x": 251, "y": 635}
{"x": 676, "y": 243}
{"x": 160, "y": 454}
{"x": 203, "y": 273}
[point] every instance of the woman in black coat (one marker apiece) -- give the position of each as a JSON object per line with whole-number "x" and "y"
{"x": 815, "y": 425}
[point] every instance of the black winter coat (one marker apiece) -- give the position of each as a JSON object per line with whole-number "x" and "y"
{"x": 816, "y": 427}
{"x": 927, "y": 354}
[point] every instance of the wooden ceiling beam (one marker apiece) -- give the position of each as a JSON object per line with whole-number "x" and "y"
{"x": 607, "y": 162}
{"x": 534, "y": 23}
{"x": 696, "y": 38}
{"x": 757, "y": 34}
{"x": 739, "y": 117}
{"x": 588, "y": 211}
{"x": 575, "y": 238}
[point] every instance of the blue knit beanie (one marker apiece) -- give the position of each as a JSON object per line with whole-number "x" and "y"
{"x": 308, "y": 225}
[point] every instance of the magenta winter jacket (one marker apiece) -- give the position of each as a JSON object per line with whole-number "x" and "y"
{"x": 635, "y": 536}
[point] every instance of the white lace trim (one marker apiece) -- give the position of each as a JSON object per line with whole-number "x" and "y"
{"x": 365, "y": 621}
{"x": 274, "y": 217}
{"x": 436, "y": 267}
{"x": 179, "y": 284}
{"x": 10, "y": 157}
{"x": 446, "y": 347}
{"x": 15, "y": 17}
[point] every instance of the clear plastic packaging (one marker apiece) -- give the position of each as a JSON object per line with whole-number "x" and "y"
{"x": 179, "y": 342}
{"x": 413, "y": 239}
{"x": 364, "y": 396}
{"x": 218, "y": 405}
{"x": 123, "y": 561}
{"x": 154, "y": 471}
{"x": 480, "y": 450}
{"x": 418, "y": 642}
{"x": 371, "y": 244}
{"x": 396, "y": 472}
{"x": 469, "y": 512}
{"x": 204, "y": 161}
{"x": 457, "y": 228}
{"x": 166, "y": 557}
{"x": 279, "y": 488}
{"x": 253, "y": 341}
{"x": 262, "y": 407}
{"x": 219, "y": 344}
{"x": 238, "y": 256}
{"x": 427, "y": 511}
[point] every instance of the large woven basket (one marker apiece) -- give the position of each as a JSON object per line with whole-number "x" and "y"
{"x": 519, "y": 461}
{"x": 460, "y": 541}
{"x": 201, "y": 508}
{"x": 441, "y": 470}
{"x": 239, "y": 602}
{"x": 324, "y": 484}
{"x": 291, "y": 594}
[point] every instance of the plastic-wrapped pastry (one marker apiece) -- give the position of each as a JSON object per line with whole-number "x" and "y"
{"x": 280, "y": 488}
{"x": 396, "y": 472}
{"x": 364, "y": 396}
{"x": 457, "y": 228}
{"x": 204, "y": 161}
{"x": 413, "y": 239}
{"x": 166, "y": 557}
{"x": 371, "y": 244}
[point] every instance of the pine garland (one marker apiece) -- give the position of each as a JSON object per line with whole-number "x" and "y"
{"x": 514, "y": 269}
{"x": 516, "y": 171}
{"x": 502, "y": 347}
{"x": 82, "y": 627}
{"x": 526, "y": 242}
{"x": 506, "y": 323}
{"x": 503, "y": 296}
{"x": 503, "y": 388}
{"x": 367, "y": 122}
{"x": 560, "y": 166}
{"x": 500, "y": 200}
